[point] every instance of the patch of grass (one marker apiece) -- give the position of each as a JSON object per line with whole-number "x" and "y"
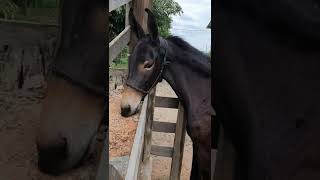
{"x": 40, "y": 15}
{"x": 122, "y": 63}
{"x": 8, "y": 9}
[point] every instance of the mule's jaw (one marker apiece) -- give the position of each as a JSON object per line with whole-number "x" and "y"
{"x": 69, "y": 120}
{"x": 56, "y": 160}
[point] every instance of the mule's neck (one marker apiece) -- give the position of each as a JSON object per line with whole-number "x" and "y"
{"x": 192, "y": 88}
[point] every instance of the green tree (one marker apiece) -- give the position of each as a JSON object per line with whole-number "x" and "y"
{"x": 116, "y": 22}
{"x": 8, "y": 9}
{"x": 162, "y": 9}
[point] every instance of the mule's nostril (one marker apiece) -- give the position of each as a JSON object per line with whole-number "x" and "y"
{"x": 51, "y": 159}
{"x": 125, "y": 111}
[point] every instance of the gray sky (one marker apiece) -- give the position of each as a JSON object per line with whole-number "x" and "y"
{"x": 191, "y": 25}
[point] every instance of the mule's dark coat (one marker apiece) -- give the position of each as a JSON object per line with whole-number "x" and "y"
{"x": 268, "y": 82}
{"x": 188, "y": 71}
{"x": 82, "y": 54}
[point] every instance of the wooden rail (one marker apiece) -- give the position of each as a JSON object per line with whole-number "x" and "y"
{"x": 140, "y": 159}
{"x": 140, "y": 162}
{"x": 118, "y": 43}
{"x": 114, "y": 4}
{"x": 137, "y": 147}
{"x": 122, "y": 40}
{"x": 28, "y": 23}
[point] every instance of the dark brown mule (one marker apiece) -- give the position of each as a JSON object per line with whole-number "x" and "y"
{"x": 268, "y": 88}
{"x": 73, "y": 108}
{"x": 187, "y": 70}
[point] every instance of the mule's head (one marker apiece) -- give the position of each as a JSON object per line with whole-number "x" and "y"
{"x": 71, "y": 114}
{"x": 145, "y": 64}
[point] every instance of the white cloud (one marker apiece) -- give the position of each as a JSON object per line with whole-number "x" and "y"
{"x": 191, "y": 25}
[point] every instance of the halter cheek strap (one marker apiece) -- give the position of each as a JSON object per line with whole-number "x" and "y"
{"x": 159, "y": 77}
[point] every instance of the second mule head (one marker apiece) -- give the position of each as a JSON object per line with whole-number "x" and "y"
{"x": 146, "y": 64}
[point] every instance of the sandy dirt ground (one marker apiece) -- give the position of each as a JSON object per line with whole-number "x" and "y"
{"x": 122, "y": 132}
{"x": 19, "y": 119}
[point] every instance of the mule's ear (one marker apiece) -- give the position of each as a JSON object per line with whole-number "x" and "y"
{"x": 135, "y": 26}
{"x": 152, "y": 26}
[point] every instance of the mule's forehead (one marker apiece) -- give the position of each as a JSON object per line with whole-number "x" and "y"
{"x": 144, "y": 50}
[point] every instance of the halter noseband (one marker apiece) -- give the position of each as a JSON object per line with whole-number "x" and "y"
{"x": 164, "y": 45}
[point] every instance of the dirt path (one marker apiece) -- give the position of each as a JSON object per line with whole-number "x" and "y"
{"x": 122, "y": 131}
{"x": 19, "y": 119}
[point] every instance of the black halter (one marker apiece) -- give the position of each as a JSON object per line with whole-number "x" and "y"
{"x": 86, "y": 70}
{"x": 164, "y": 62}
{"x": 100, "y": 91}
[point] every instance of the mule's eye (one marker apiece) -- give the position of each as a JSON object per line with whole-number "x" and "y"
{"x": 148, "y": 65}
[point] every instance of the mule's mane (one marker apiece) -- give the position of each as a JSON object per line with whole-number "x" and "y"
{"x": 196, "y": 59}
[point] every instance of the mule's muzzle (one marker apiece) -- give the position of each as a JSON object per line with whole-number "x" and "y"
{"x": 50, "y": 159}
{"x": 126, "y": 111}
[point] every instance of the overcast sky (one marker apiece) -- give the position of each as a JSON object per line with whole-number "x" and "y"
{"x": 191, "y": 25}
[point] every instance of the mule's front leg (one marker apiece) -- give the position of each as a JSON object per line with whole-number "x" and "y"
{"x": 200, "y": 132}
{"x": 204, "y": 157}
{"x": 195, "y": 175}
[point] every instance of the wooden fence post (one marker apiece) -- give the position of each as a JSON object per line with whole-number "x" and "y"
{"x": 147, "y": 159}
{"x": 180, "y": 135}
{"x": 141, "y": 17}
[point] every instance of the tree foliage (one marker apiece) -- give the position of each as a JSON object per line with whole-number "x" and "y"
{"x": 162, "y": 9}
{"x": 8, "y": 9}
{"x": 116, "y": 22}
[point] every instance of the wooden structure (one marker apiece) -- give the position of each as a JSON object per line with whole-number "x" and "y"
{"x": 140, "y": 162}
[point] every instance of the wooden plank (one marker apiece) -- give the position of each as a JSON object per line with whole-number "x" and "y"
{"x": 28, "y": 23}
{"x": 166, "y": 102}
{"x": 178, "y": 145}
{"x": 114, "y": 173}
{"x": 146, "y": 163}
{"x": 161, "y": 151}
{"x": 137, "y": 147}
{"x": 103, "y": 172}
{"x": 128, "y": 6}
{"x": 118, "y": 43}
{"x": 141, "y": 17}
{"x": 165, "y": 127}
{"x": 114, "y": 4}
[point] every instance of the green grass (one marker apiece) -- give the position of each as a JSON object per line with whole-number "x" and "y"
{"x": 122, "y": 63}
{"x": 40, "y": 15}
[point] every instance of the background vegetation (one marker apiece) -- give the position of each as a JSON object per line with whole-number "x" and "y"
{"x": 41, "y": 11}
{"x": 46, "y": 11}
{"x": 162, "y": 9}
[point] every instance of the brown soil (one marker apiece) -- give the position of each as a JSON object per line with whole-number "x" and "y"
{"x": 122, "y": 131}
{"x": 19, "y": 120}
